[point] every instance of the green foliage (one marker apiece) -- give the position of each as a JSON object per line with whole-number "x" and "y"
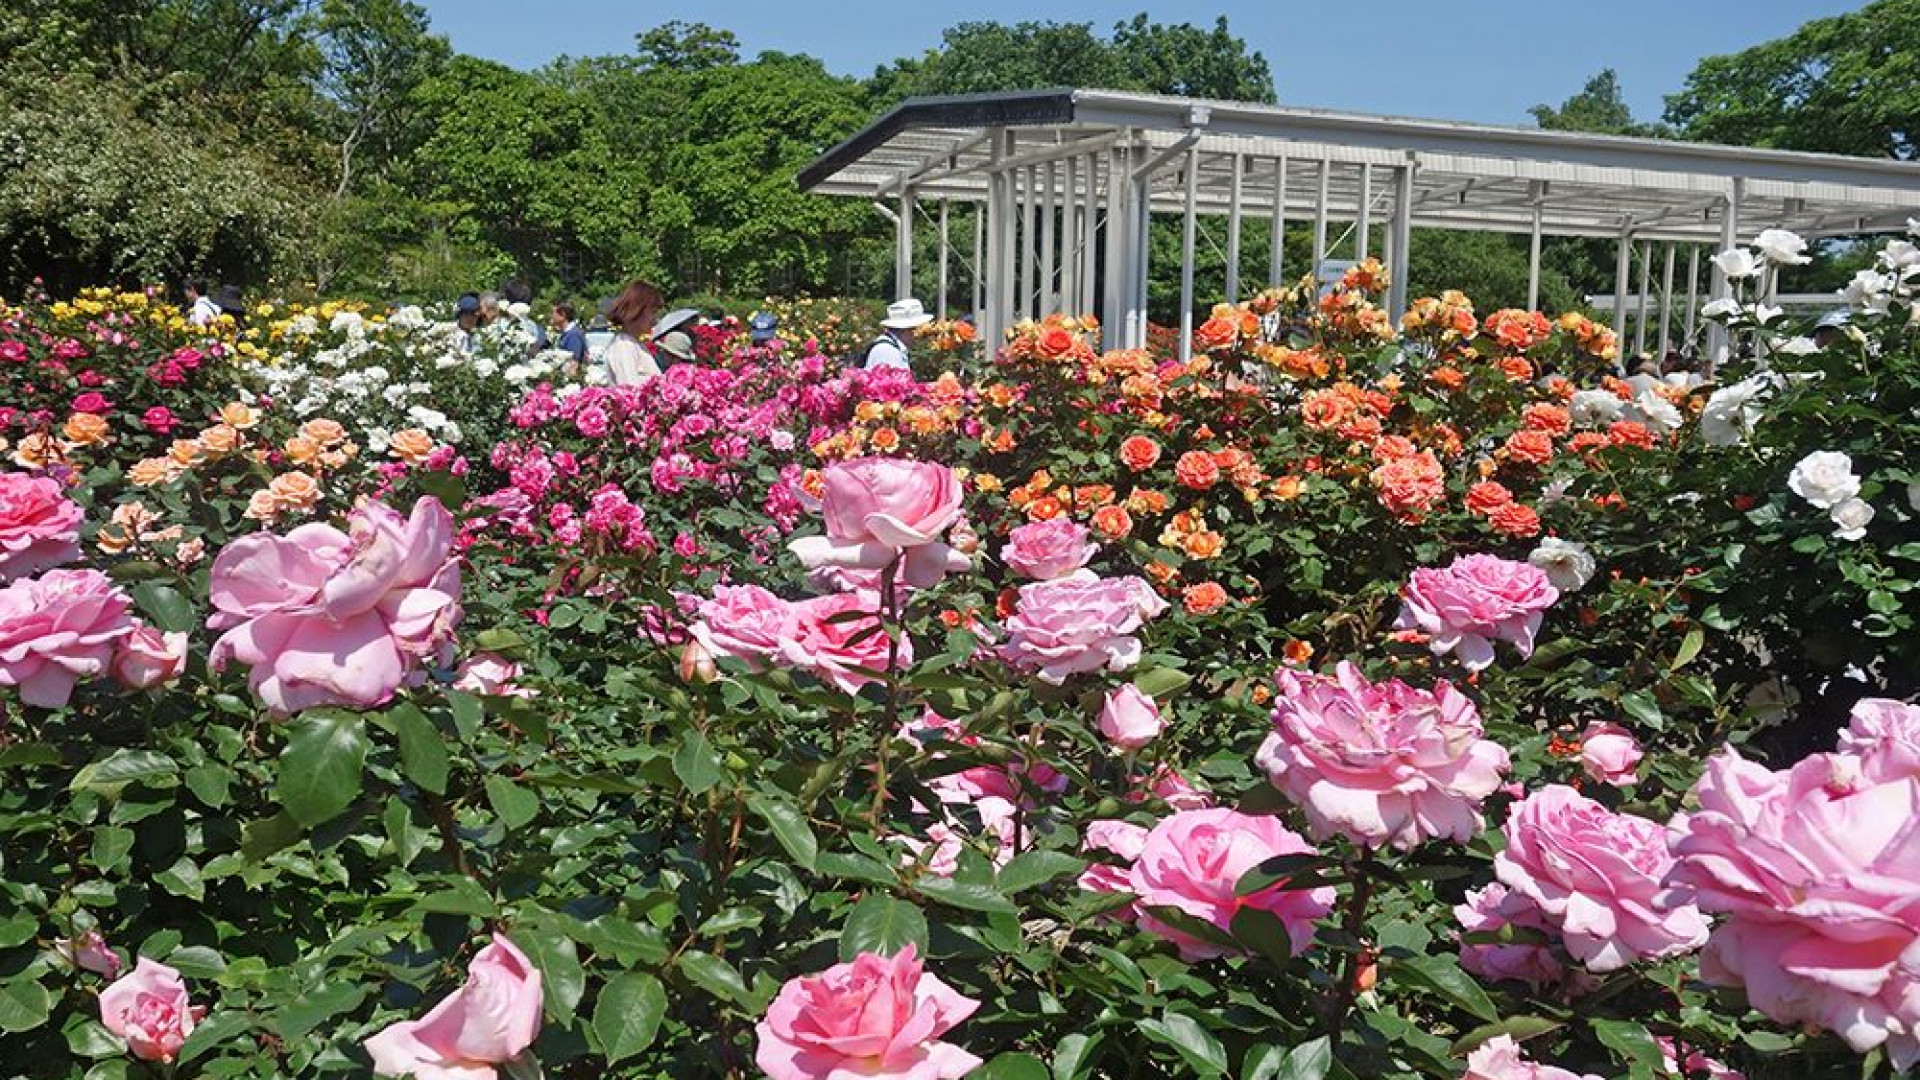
{"x": 1597, "y": 108}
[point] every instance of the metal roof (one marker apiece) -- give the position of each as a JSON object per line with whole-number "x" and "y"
{"x": 1467, "y": 176}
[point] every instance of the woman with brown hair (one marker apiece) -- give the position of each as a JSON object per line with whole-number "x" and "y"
{"x": 628, "y": 361}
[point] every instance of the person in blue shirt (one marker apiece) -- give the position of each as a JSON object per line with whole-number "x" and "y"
{"x": 569, "y": 335}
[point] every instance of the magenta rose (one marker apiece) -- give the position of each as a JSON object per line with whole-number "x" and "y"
{"x": 1474, "y": 601}
{"x": 489, "y": 1021}
{"x": 1381, "y": 764}
{"x": 878, "y": 509}
{"x": 1076, "y": 624}
{"x": 1129, "y": 719}
{"x": 322, "y": 617}
{"x": 1610, "y": 754}
{"x": 1488, "y": 911}
{"x": 146, "y": 657}
{"x": 837, "y": 649}
{"x": 1193, "y": 860}
{"x": 1125, "y": 841}
{"x": 1499, "y": 1058}
{"x": 1595, "y": 876}
{"x": 1043, "y": 550}
{"x": 745, "y": 622}
{"x": 877, "y": 1017}
{"x": 1817, "y": 869}
{"x": 148, "y": 1008}
{"x": 59, "y": 628}
{"x": 39, "y": 525}
{"x": 159, "y": 420}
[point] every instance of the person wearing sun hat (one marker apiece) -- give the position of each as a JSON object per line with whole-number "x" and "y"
{"x": 895, "y": 343}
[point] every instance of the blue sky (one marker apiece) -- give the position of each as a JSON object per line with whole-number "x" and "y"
{"x": 1478, "y": 60}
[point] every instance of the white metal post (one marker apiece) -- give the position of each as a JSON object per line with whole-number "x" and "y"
{"x": 1622, "y": 269}
{"x": 1142, "y": 253}
{"x": 1646, "y": 286}
{"x": 903, "y": 248}
{"x": 1049, "y": 236}
{"x": 1233, "y": 228}
{"x": 1320, "y": 219}
{"x": 1401, "y": 236}
{"x": 1188, "y": 232}
{"x": 1537, "y": 189}
{"x": 1722, "y": 288}
{"x": 1666, "y": 303}
{"x": 1070, "y": 240}
{"x": 1363, "y": 218}
{"x": 1090, "y": 237}
{"x": 1277, "y": 237}
{"x": 1119, "y": 209}
{"x": 943, "y": 259}
{"x": 1029, "y": 254}
{"x": 1693, "y": 290}
{"x": 979, "y": 267}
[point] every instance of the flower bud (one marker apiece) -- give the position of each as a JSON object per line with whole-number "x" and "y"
{"x": 696, "y": 664}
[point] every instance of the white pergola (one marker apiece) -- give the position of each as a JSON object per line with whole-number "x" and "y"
{"x": 1063, "y": 184}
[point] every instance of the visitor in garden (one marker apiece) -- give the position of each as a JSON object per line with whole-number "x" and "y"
{"x": 763, "y": 329}
{"x": 489, "y": 308}
{"x": 680, "y": 319}
{"x": 466, "y": 318}
{"x": 634, "y": 311}
{"x": 228, "y": 299}
{"x": 201, "y": 310}
{"x": 519, "y": 297}
{"x": 676, "y": 346}
{"x": 570, "y": 336}
{"x": 895, "y": 343}
{"x": 1831, "y": 327}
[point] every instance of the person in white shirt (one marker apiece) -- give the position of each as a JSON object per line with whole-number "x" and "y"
{"x": 634, "y": 311}
{"x": 201, "y": 310}
{"x": 894, "y": 346}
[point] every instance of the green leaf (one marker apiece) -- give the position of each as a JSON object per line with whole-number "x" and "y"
{"x": 1308, "y": 1061}
{"x": 1632, "y": 1041}
{"x": 1036, "y": 868}
{"x": 515, "y": 805}
{"x": 315, "y": 1006}
{"x": 881, "y": 924}
{"x": 970, "y": 896}
{"x": 695, "y": 763}
{"x": 126, "y": 766}
{"x": 164, "y": 606}
{"x": 1161, "y": 682}
{"x": 462, "y": 896}
{"x": 1194, "y": 1043}
{"x": 320, "y": 768}
{"x": 1074, "y": 1056}
{"x": 259, "y": 839}
{"x": 90, "y": 1039}
{"x": 29, "y": 754}
{"x": 182, "y": 879}
{"x": 111, "y": 845}
{"x": 1689, "y": 648}
{"x": 553, "y": 952}
{"x": 18, "y": 929}
{"x": 627, "y": 1015}
{"x": 1013, "y": 1065}
{"x": 213, "y": 1031}
{"x": 1517, "y": 1028}
{"x": 1442, "y": 976}
{"x": 24, "y": 1005}
{"x": 715, "y": 976}
{"x": 197, "y": 961}
{"x": 1641, "y": 706}
{"x": 423, "y": 753}
{"x": 1302, "y": 871}
{"x": 789, "y": 827}
{"x": 209, "y": 784}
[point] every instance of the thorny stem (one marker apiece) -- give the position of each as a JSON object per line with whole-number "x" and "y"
{"x": 890, "y": 718}
{"x": 1353, "y": 920}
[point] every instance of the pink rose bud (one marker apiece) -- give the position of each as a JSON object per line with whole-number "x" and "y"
{"x": 489, "y": 1021}
{"x": 89, "y": 952}
{"x": 1130, "y": 719}
{"x": 1043, "y": 550}
{"x": 1609, "y": 753}
{"x": 147, "y": 657}
{"x": 149, "y": 1009}
{"x": 1499, "y": 1058}
{"x": 696, "y": 664}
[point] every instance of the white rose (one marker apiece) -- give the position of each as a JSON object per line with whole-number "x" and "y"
{"x": 1796, "y": 346}
{"x": 1824, "y": 478}
{"x": 1869, "y": 291}
{"x": 1766, "y": 313}
{"x": 1655, "y": 411}
{"x": 1900, "y": 255}
{"x": 1594, "y": 408}
{"x": 1737, "y": 263}
{"x": 450, "y": 432}
{"x": 485, "y": 368}
{"x": 378, "y": 439}
{"x": 1724, "y": 308}
{"x": 1782, "y": 247}
{"x": 1850, "y": 519}
{"x": 1567, "y": 565}
{"x": 1733, "y": 412}
{"x": 517, "y": 374}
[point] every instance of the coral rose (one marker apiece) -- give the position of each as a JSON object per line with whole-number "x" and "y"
{"x": 1043, "y": 550}
{"x": 1530, "y": 446}
{"x": 1075, "y": 624}
{"x": 1139, "y": 453}
{"x": 39, "y": 525}
{"x": 878, "y": 508}
{"x": 1112, "y": 522}
{"x": 1515, "y": 519}
{"x": 149, "y": 1008}
{"x": 1474, "y": 601}
{"x": 878, "y": 1018}
{"x": 1487, "y": 496}
{"x": 1203, "y": 598}
{"x": 1381, "y": 764}
{"x": 1196, "y": 469}
{"x": 489, "y": 1021}
{"x": 58, "y": 628}
{"x": 1193, "y": 860}
{"x": 1410, "y": 486}
{"x": 1595, "y": 876}
{"x": 322, "y": 617}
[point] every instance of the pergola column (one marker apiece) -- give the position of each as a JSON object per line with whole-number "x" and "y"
{"x": 1277, "y": 237}
{"x": 1400, "y": 247}
{"x": 1049, "y": 237}
{"x": 1233, "y": 229}
{"x": 1723, "y": 288}
{"x": 1070, "y": 240}
{"x": 1537, "y": 190}
{"x": 1363, "y": 218}
{"x": 979, "y": 267}
{"x": 1027, "y": 246}
{"x": 1622, "y": 269}
{"x": 1320, "y": 218}
{"x": 1693, "y": 291}
{"x": 943, "y": 259}
{"x": 1189, "y": 229}
{"x": 903, "y": 247}
{"x": 1646, "y": 286}
{"x": 1666, "y": 302}
{"x": 1090, "y": 236}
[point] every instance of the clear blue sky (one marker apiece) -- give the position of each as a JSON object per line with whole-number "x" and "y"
{"x": 1479, "y": 60}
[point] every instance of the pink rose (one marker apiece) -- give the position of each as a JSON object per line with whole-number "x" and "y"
{"x": 322, "y": 617}
{"x": 834, "y": 647}
{"x": 1488, "y": 911}
{"x": 1474, "y": 601}
{"x": 58, "y": 628}
{"x": 1595, "y": 877}
{"x": 878, "y": 508}
{"x": 1043, "y": 550}
{"x": 89, "y": 952}
{"x": 875, "y": 1018}
{"x": 39, "y": 525}
{"x": 489, "y": 1021}
{"x": 745, "y": 622}
{"x": 146, "y": 657}
{"x": 1194, "y": 859}
{"x": 1077, "y": 624}
{"x": 149, "y": 1009}
{"x": 939, "y": 854}
{"x": 1609, "y": 753}
{"x": 1380, "y": 764}
{"x": 1499, "y": 1058}
{"x": 92, "y": 401}
{"x": 1697, "y": 1066}
{"x": 490, "y": 674}
{"x": 1167, "y": 785}
{"x": 1122, "y": 839}
{"x": 159, "y": 420}
{"x": 1817, "y": 869}
{"x": 1885, "y": 736}
{"x": 1129, "y": 719}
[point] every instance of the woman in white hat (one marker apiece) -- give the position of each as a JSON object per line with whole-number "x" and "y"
{"x": 890, "y": 349}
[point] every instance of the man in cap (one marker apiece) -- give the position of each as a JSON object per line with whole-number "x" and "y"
{"x": 763, "y": 329}
{"x": 466, "y": 318}
{"x": 895, "y": 343}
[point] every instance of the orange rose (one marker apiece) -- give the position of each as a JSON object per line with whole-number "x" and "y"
{"x": 1045, "y": 508}
{"x": 1411, "y": 486}
{"x": 151, "y": 471}
{"x": 1487, "y": 496}
{"x": 1297, "y": 652}
{"x": 1216, "y": 333}
{"x": 1361, "y": 429}
{"x": 1112, "y": 522}
{"x": 1147, "y": 501}
{"x": 1322, "y": 410}
{"x": 1091, "y": 497}
{"x": 85, "y": 429}
{"x": 236, "y": 415}
{"x": 220, "y": 440}
{"x": 1518, "y": 330}
{"x": 410, "y": 445}
{"x": 1139, "y": 452}
{"x": 261, "y": 507}
{"x": 1515, "y": 519}
{"x": 1531, "y": 447}
{"x": 187, "y": 452}
{"x": 1516, "y": 368}
{"x": 1161, "y": 572}
{"x": 1203, "y": 598}
{"x": 1204, "y": 544}
{"x": 886, "y": 440}
{"x": 323, "y": 431}
{"x": 1393, "y": 447}
{"x": 294, "y": 491}
{"x": 1196, "y": 470}
{"x": 1286, "y": 489}
{"x": 1630, "y": 433}
{"x": 1447, "y": 378}
{"x": 1551, "y": 419}
{"x": 1056, "y": 343}
{"x": 1588, "y": 440}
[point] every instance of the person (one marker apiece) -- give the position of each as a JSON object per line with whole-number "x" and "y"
{"x": 489, "y": 308}
{"x": 1831, "y": 327}
{"x": 676, "y": 344}
{"x": 763, "y": 328}
{"x": 519, "y": 297}
{"x": 679, "y": 320}
{"x": 466, "y": 317}
{"x": 227, "y": 298}
{"x": 895, "y": 344}
{"x": 201, "y": 310}
{"x": 571, "y": 337}
{"x": 634, "y": 312}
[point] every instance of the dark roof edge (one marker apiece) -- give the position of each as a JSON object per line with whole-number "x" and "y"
{"x": 958, "y": 110}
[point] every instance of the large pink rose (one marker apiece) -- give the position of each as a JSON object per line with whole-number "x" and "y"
{"x": 1076, "y": 624}
{"x": 745, "y": 622}
{"x": 1125, "y": 841}
{"x": 1193, "y": 860}
{"x": 1129, "y": 719}
{"x": 1499, "y": 1058}
{"x": 1043, "y": 550}
{"x": 1609, "y": 754}
{"x": 1818, "y": 871}
{"x": 1380, "y": 764}
{"x": 322, "y": 617}
{"x": 39, "y": 525}
{"x": 489, "y": 1021}
{"x": 146, "y": 657}
{"x": 875, "y": 1018}
{"x": 1885, "y": 736}
{"x": 1490, "y": 910}
{"x": 57, "y": 629}
{"x": 838, "y": 650}
{"x": 148, "y": 1007}
{"x": 1596, "y": 877}
{"x": 878, "y": 508}
{"x": 1474, "y": 601}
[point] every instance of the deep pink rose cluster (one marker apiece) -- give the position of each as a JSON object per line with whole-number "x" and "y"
{"x": 1381, "y": 764}
{"x": 1467, "y": 605}
{"x": 1595, "y": 876}
{"x": 322, "y": 617}
{"x": 1817, "y": 870}
{"x": 878, "y": 1017}
{"x": 879, "y": 509}
{"x": 67, "y": 625}
{"x": 1043, "y": 550}
{"x": 489, "y": 1021}
{"x": 1193, "y": 860}
{"x": 39, "y": 525}
{"x": 824, "y": 636}
{"x": 1079, "y": 623}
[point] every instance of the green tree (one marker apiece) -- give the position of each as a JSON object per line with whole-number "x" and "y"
{"x": 1187, "y": 61}
{"x": 686, "y": 46}
{"x": 982, "y": 57}
{"x": 1598, "y": 108}
{"x": 1848, "y": 84}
